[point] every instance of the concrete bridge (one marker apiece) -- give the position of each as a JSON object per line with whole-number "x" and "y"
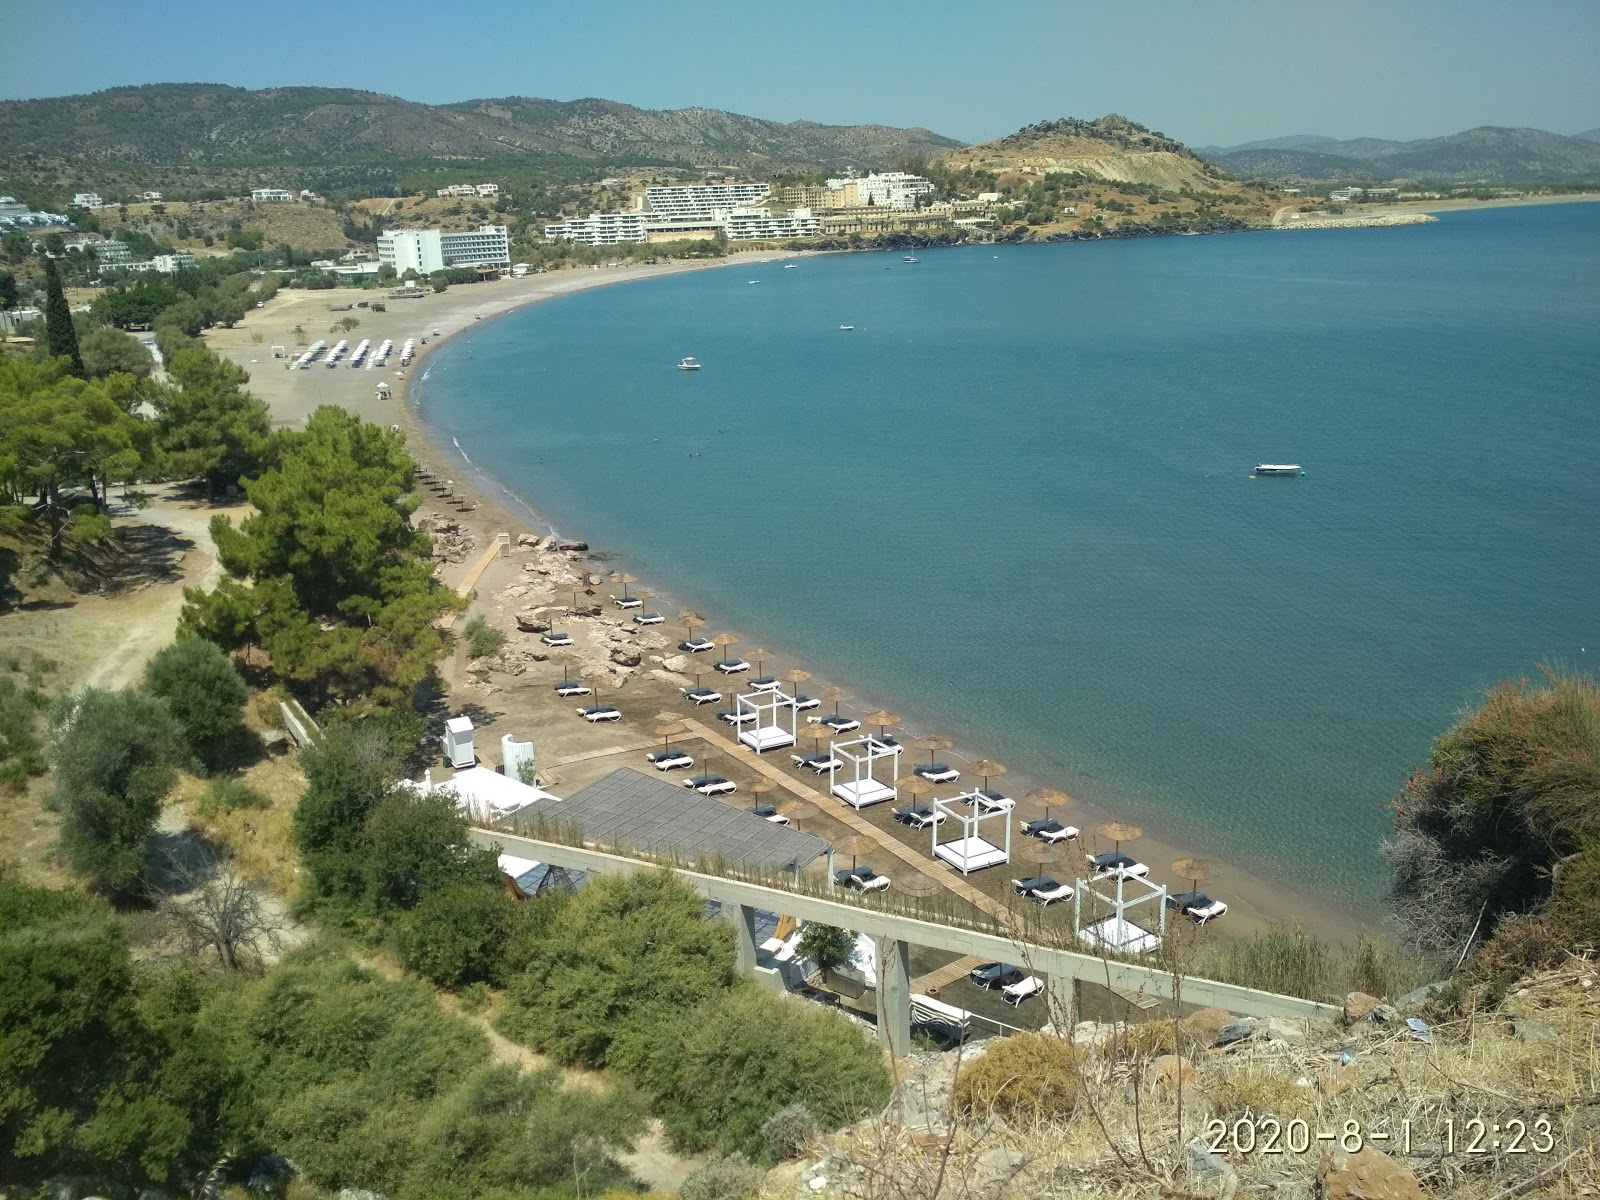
{"x": 895, "y": 934}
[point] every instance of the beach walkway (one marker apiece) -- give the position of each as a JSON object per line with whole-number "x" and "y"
{"x": 470, "y": 581}
{"x": 839, "y": 811}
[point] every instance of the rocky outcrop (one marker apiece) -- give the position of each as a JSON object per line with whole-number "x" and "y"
{"x": 1364, "y": 1175}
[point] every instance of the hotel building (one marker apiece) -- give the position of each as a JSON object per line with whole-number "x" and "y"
{"x": 428, "y": 250}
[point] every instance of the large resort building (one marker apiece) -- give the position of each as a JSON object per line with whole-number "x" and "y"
{"x": 428, "y": 250}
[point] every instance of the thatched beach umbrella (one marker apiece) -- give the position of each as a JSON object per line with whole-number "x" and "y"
{"x": 624, "y": 580}
{"x": 835, "y": 696}
{"x": 724, "y": 640}
{"x": 1118, "y": 832}
{"x": 1049, "y": 798}
{"x": 691, "y": 619}
{"x": 764, "y": 785}
{"x": 644, "y": 594}
{"x": 918, "y": 887}
{"x": 668, "y": 730}
{"x": 795, "y": 678}
{"x": 797, "y": 811}
{"x": 882, "y": 719}
{"x": 932, "y": 743}
{"x": 986, "y": 769}
{"x": 818, "y": 734}
{"x": 1196, "y": 871}
{"x": 1041, "y": 854}
{"x": 915, "y": 784}
{"x": 566, "y": 661}
{"x": 760, "y": 654}
{"x": 855, "y": 845}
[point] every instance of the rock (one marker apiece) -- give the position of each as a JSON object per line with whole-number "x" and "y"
{"x": 678, "y": 664}
{"x": 529, "y": 622}
{"x": 1207, "y": 1023}
{"x": 1364, "y": 1175}
{"x": 1385, "y": 1014}
{"x": 1358, "y": 1006}
{"x": 1287, "y": 1029}
{"x": 1171, "y": 1071}
{"x": 1340, "y": 1081}
{"x": 527, "y": 539}
{"x": 625, "y": 658}
{"x": 993, "y": 1169}
{"x": 1238, "y": 1030}
{"x": 1532, "y": 1031}
{"x": 574, "y": 546}
{"x": 922, "y": 1098}
{"x": 1209, "y": 1172}
{"x": 1421, "y": 995}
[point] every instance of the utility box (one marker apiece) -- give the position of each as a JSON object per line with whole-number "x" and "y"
{"x": 518, "y": 759}
{"x": 457, "y": 742}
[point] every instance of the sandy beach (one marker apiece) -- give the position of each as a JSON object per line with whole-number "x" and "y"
{"x": 514, "y": 695}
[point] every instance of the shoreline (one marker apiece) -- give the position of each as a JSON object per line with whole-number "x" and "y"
{"x": 1255, "y": 901}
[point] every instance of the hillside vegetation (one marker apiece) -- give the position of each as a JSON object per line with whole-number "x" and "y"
{"x": 1487, "y": 154}
{"x": 1112, "y": 148}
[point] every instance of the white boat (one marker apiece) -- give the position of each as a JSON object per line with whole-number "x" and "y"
{"x": 689, "y": 364}
{"x": 1278, "y": 469}
{"x": 790, "y": 266}
{"x": 847, "y": 327}
{"x": 911, "y": 258}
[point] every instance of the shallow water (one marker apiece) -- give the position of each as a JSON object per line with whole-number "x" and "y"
{"x": 1015, "y": 499}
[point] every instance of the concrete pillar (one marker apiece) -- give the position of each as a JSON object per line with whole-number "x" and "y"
{"x": 743, "y": 919}
{"x": 894, "y": 995}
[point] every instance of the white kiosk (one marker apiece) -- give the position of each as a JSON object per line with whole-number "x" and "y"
{"x": 456, "y": 742}
{"x": 864, "y": 787}
{"x": 971, "y": 851}
{"x": 768, "y": 731}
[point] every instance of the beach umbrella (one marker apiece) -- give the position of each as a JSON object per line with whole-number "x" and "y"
{"x": 624, "y": 580}
{"x": 1041, "y": 854}
{"x": 932, "y": 743}
{"x": 795, "y": 678}
{"x": 691, "y": 618}
{"x": 668, "y": 730}
{"x": 644, "y": 594}
{"x": 882, "y": 719}
{"x": 986, "y": 769}
{"x": 797, "y": 811}
{"x": 1049, "y": 798}
{"x": 835, "y": 696}
{"x": 590, "y": 582}
{"x": 918, "y": 887}
{"x": 1118, "y": 832}
{"x": 915, "y": 784}
{"x": 819, "y": 733}
{"x": 759, "y": 653}
{"x": 1196, "y": 871}
{"x": 566, "y": 661}
{"x": 724, "y": 640}
{"x": 855, "y": 845}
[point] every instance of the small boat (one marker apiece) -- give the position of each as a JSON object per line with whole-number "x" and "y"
{"x": 847, "y": 327}
{"x": 1278, "y": 469}
{"x": 755, "y": 281}
{"x": 790, "y": 266}
{"x": 689, "y": 364}
{"x": 911, "y": 258}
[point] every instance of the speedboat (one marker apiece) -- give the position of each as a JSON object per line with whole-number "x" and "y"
{"x": 847, "y": 327}
{"x": 911, "y": 258}
{"x": 790, "y": 266}
{"x": 1278, "y": 469}
{"x": 688, "y": 364}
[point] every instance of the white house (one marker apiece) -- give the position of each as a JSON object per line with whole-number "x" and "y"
{"x": 87, "y": 200}
{"x": 272, "y": 195}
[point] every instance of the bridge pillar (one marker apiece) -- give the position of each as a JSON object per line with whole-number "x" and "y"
{"x": 743, "y": 919}
{"x": 894, "y": 995}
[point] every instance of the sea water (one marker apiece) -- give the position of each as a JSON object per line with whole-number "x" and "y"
{"x": 1015, "y": 500}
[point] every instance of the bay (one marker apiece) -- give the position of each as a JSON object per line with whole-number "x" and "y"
{"x": 1014, "y": 501}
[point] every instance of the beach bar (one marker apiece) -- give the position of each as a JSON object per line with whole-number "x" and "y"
{"x": 863, "y": 755}
{"x": 971, "y": 851}
{"x": 769, "y": 730}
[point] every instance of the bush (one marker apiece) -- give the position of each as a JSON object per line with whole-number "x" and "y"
{"x": 456, "y": 935}
{"x": 227, "y": 794}
{"x": 826, "y": 946}
{"x": 203, "y": 691}
{"x": 790, "y": 1130}
{"x": 21, "y": 750}
{"x": 1025, "y": 1078}
{"x": 116, "y": 757}
{"x": 716, "y": 1074}
{"x": 729, "y": 1177}
{"x": 483, "y": 639}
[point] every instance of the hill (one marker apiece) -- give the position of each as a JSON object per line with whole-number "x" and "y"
{"x": 1487, "y": 154}
{"x": 1588, "y": 135}
{"x": 212, "y": 123}
{"x": 1111, "y": 148}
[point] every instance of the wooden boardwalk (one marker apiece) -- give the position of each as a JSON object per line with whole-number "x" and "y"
{"x": 946, "y": 975}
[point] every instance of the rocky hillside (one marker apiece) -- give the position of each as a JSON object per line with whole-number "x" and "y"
{"x": 1111, "y": 148}
{"x": 211, "y": 123}
{"x": 1488, "y": 154}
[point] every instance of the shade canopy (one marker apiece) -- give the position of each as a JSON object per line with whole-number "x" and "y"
{"x": 725, "y": 639}
{"x": 915, "y": 784}
{"x": 834, "y": 695}
{"x": 689, "y": 617}
{"x": 644, "y": 594}
{"x": 670, "y": 729}
{"x": 1042, "y": 853}
{"x": 762, "y": 786}
{"x": 933, "y": 741}
{"x": 1119, "y": 831}
{"x": 882, "y": 718}
{"x": 987, "y": 768}
{"x": 1196, "y": 870}
{"x": 624, "y": 578}
{"x": 797, "y": 675}
{"x": 1050, "y": 797}
{"x": 855, "y": 844}
{"x": 797, "y": 810}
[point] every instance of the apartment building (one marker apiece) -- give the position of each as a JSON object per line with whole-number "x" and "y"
{"x": 703, "y": 199}
{"x": 758, "y": 224}
{"x": 892, "y": 189}
{"x": 599, "y": 229}
{"x": 428, "y": 250}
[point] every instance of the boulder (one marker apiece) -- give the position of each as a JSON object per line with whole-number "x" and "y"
{"x": 527, "y": 539}
{"x": 1287, "y": 1029}
{"x": 993, "y": 1169}
{"x": 1240, "y": 1029}
{"x": 1207, "y": 1023}
{"x": 1209, "y": 1173}
{"x": 1172, "y": 1071}
{"x": 625, "y": 658}
{"x": 678, "y": 664}
{"x": 529, "y": 622}
{"x": 1358, "y": 1006}
{"x": 1338, "y": 1082}
{"x": 1364, "y": 1175}
{"x": 573, "y": 546}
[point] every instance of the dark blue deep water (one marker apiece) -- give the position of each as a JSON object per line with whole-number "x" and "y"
{"x": 1014, "y": 502}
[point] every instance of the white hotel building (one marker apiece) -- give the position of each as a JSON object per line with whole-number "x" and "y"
{"x": 892, "y": 189}
{"x": 732, "y": 209}
{"x": 428, "y": 250}
{"x": 704, "y": 199}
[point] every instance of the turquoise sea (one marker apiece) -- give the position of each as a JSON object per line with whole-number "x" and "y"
{"x": 1014, "y": 501}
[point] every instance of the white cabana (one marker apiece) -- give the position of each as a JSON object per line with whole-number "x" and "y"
{"x": 774, "y": 724}
{"x": 861, "y": 758}
{"x": 1117, "y": 931}
{"x": 971, "y": 851}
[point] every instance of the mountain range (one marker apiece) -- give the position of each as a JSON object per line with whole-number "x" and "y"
{"x": 1487, "y": 154}
{"x": 205, "y": 123}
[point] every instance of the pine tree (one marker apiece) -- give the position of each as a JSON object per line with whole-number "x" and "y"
{"x": 59, "y": 336}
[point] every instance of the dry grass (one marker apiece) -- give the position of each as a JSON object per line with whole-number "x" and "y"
{"x": 261, "y": 840}
{"x": 1124, "y": 1133}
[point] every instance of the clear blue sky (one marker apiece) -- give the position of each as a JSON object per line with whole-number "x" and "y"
{"x": 1205, "y": 71}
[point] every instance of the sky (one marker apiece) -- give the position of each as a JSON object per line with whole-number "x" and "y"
{"x": 1209, "y": 72}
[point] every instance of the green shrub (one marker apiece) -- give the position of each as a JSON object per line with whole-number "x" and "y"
{"x": 457, "y": 934}
{"x": 1575, "y": 910}
{"x": 727, "y": 1177}
{"x": 227, "y": 794}
{"x": 202, "y": 689}
{"x": 716, "y": 1073}
{"x": 483, "y": 639}
{"x": 826, "y": 946}
{"x": 611, "y": 963}
{"x": 790, "y": 1130}
{"x": 1025, "y": 1078}
{"x": 21, "y": 750}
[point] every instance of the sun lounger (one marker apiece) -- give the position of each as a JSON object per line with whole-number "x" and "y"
{"x": 1026, "y": 887}
{"x": 1049, "y": 831}
{"x": 627, "y": 602}
{"x": 1048, "y": 896}
{"x": 1015, "y": 993}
